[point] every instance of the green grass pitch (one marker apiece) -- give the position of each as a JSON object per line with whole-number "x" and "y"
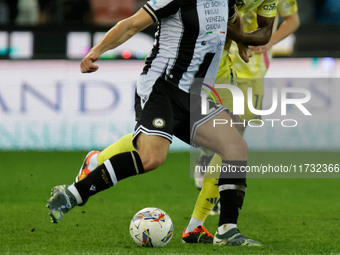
{"x": 289, "y": 216}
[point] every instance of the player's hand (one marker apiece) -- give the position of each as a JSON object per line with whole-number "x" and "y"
{"x": 259, "y": 49}
{"x": 244, "y": 52}
{"x": 86, "y": 65}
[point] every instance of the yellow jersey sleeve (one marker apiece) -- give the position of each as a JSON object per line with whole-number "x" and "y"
{"x": 287, "y": 7}
{"x": 268, "y": 8}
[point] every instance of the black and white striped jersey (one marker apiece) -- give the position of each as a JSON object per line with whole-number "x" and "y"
{"x": 188, "y": 43}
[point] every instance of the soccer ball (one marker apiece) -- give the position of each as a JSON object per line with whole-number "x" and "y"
{"x": 151, "y": 227}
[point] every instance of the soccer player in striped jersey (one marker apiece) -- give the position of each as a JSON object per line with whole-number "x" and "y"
{"x": 189, "y": 45}
{"x": 210, "y": 194}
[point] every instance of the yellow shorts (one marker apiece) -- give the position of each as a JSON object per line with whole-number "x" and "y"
{"x": 244, "y": 84}
{"x": 228, "y": 74}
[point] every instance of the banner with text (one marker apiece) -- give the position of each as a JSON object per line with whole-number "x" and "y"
{"x": 50, "y": 105}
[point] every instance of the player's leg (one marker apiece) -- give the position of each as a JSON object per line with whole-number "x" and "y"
{"x": 228, "y": 143}
{"x": 225, "y": 75}
{"x": 226, "y": 97}
{"x": 203, "y": 207}
{"x": 209, "y": 195}
{"x": 152, "y": 139}
{"x": 207, "y": 199}
{"x": 213, "y": 188}
{"x": 210, "y": 186}
{"x": 152, "y": 153}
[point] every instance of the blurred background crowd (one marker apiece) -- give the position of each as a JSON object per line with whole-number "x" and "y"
{"x": 39, "y": 12}
{"x": 108, "y": 12}
{"x": 50, "y": 21}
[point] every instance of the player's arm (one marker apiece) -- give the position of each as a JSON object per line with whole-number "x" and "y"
{"x": 117, "y": 35}
{"x": 236, "y": 26}
{"x": 290, "y": 25}
{"x": 260, "y": 36}
{"x": 288, "y": 9}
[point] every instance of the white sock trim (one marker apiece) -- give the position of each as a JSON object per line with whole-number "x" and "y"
{"x": 232, "y": 187}
{"x": 75, "y": 193}
{"x": 225, "y": 228}
{"x": 111, "y": 171}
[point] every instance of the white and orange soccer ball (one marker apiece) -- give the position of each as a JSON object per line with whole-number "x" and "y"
{"x": 151, "y": 227}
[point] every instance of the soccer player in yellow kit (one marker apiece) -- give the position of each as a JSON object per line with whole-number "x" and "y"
{"x": 247, "y": 75}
